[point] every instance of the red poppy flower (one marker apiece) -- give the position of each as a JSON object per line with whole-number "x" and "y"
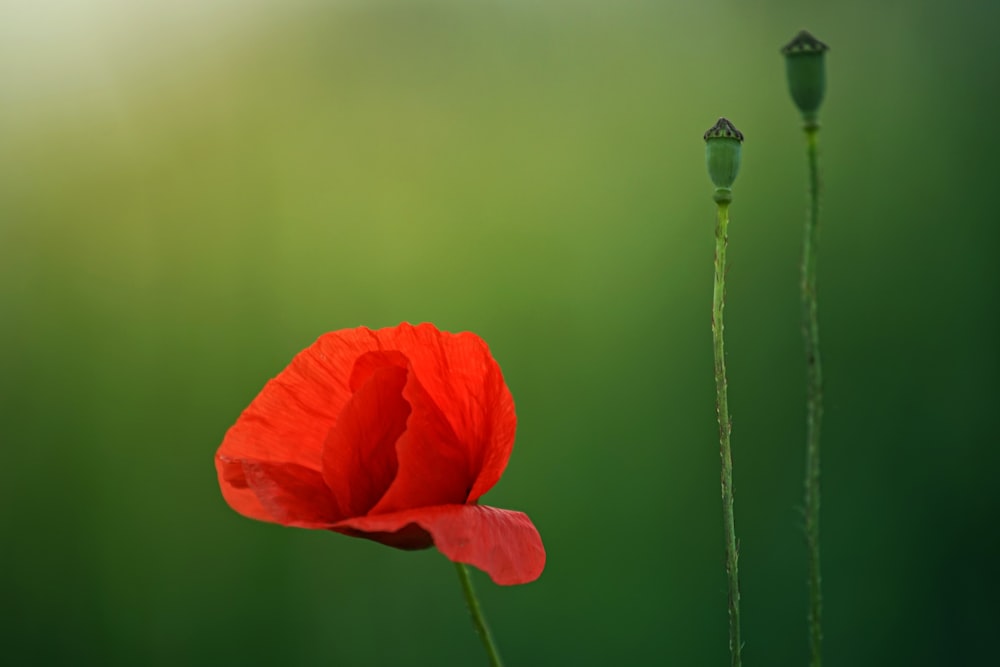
{"x": 392, "y": 435}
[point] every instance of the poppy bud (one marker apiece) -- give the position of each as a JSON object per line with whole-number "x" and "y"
{"x": 723, "y": 143}
{"x": 805, "y": 64}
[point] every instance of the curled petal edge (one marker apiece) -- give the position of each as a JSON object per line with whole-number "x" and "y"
{"x": 502, "y": 543}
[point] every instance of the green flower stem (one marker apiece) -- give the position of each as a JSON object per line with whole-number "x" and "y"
{"x": 814, "y": 396}
{"x": 472, "y": 602}
{"x": 725, "y": 424}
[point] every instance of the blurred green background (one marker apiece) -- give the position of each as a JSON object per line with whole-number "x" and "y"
{"x": 192, "y": 192}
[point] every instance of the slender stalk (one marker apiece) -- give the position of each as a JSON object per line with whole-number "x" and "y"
{"x": 478, "y": 620}
{"x": 725, "y": 427}
{"x": 814, "y": 397}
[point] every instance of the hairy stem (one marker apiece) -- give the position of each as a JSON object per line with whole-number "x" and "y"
{"x": 478, "y": 620}
{"x": 814, "y": 398}
{"x": 725, "y": 427}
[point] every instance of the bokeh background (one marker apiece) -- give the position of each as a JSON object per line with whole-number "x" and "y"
{"x": 192, "y": 192}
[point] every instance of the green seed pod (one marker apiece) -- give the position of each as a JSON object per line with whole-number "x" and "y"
{"x": 805, "y": 63}
{"x": 723, "y": 143}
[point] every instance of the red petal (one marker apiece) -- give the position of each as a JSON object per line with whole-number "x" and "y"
{"x": 290, "y": 418}
{"x": 359, "y": 456}
{"x": 370, "y": 362}
{"x": 294, "y": 495}
{"x": 434, "y": 465}
{"x": 236, "y": 490}
{"x": 288, "y": 494}
{"x": 461, "y": 377}
{"x": 503, "y": 543}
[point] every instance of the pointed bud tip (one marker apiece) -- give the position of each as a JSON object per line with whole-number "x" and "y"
{"x": 723, "y": 128}
{"x": 804, "y": 42}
